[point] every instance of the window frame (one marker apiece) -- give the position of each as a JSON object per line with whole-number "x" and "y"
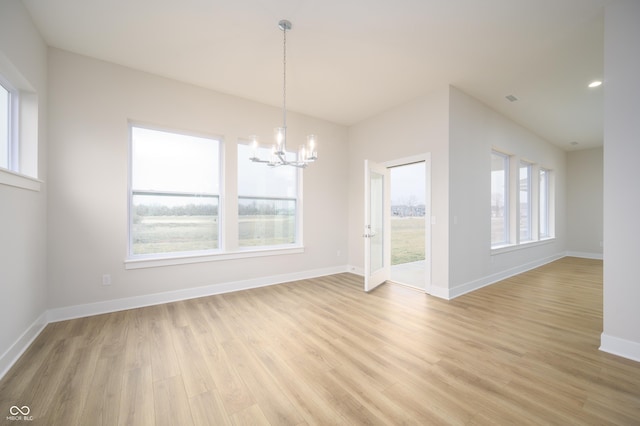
{"x": 13, "y": 126}
{"x": 21, "y": 170}
{"x": 506, "y": 200}
{"x": 534, "y": 215}
{"x": 545, "y": 232}
{"x": 529, "y": 202}
{"x": 227, "y": 214}
{"x": 297, "y": 243}
{"x": 131, "y": 257}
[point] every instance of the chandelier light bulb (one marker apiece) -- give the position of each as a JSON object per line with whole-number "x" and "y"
{"x": 254, "y": 148}
{"x": 280, "y": 137}
{"x": 312, "y": 150}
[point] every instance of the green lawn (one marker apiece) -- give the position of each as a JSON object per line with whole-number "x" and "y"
{"x": 407, "y": 239}
{"x": 263, "y": 230}
{"x": 170, "y": 234}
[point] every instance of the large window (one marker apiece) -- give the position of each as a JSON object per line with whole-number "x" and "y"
{"x": 524, "y": 202}
{"x": 499, "y": 199}
{"x": 175, "y": 193}
{"x": 267, "y": 201}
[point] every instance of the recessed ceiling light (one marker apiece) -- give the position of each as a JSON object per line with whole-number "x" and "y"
{"x": 595, "y": 83}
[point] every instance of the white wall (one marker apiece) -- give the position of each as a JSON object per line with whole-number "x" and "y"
{"x": 23, "y": 258}
{"x": 621, "y": 194}
{"x": 584, "y": 202}
{"x": 90, "y": 103}
{"x": 474, "y": 130}
{"x": 411, "y": 129}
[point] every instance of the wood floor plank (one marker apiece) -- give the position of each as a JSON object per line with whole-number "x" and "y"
{"x": 137, "y": 347}
{"x": 136, "y": 408}
{"x": 193, "y": 366}
{"x": 24, "y": 373}
{"x": 164, "y": 360}
{"x": 276, "y": 406}
{"x": 171, "y": 404}
{"x": 321, "y": 351}
{"x": 306, "y": 395}
{"x": 234, "y": 392}
{"x": 102, "y": 406}
{"x": 250, "y": 416}
{"x": 40, "y": 393}
{"x": 208, "y": 409}
{"x": 384, "y": 410}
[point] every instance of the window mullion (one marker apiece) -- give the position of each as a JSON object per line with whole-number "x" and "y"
{"x": 535, "y": 202}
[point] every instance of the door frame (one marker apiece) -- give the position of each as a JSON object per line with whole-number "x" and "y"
{"x": 426, "y": 158}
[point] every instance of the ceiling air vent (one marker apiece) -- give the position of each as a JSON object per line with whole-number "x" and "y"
{"x": 511, "y": 98}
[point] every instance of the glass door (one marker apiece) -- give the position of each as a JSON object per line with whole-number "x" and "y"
{"x": 377, "y": 251}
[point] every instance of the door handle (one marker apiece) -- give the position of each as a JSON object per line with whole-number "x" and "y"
{"x": 368, "y": 233}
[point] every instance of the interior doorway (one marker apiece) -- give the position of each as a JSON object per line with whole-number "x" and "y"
{"x": 409, "y": 212}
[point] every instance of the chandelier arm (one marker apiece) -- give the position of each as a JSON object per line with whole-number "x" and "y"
{"x": 283, "y": 160}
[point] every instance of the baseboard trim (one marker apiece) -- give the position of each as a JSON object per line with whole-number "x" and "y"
{"x": 620, "y": 347}
{"x": 108, "y": 306}
{"x": 16, "y": 350}
{"x": 585, "y": 255}
{"x": 355, "y": 270}
{"x": 439, "y": 292}
{"x": 499, "y": 276}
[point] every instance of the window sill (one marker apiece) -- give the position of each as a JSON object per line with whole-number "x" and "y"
{"x": 9, "y": 178}
{"x": 514, "y": 247}
{"x": 140, "y": 263}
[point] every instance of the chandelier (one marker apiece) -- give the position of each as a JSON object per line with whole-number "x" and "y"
{"x": 278, "y": 157}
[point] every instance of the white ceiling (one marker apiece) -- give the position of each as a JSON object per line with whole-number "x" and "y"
{"x": 351, "y": 59}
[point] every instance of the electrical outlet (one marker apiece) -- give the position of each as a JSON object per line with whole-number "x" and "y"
{"x": 106, "y": 279}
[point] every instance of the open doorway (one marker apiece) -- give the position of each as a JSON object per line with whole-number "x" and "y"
{"x": 408, "y": 224}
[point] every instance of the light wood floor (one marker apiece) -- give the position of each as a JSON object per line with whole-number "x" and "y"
{"x": 521, "y": 352}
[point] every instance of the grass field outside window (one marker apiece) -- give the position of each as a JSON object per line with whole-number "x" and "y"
{"x": 407, "y": 239}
